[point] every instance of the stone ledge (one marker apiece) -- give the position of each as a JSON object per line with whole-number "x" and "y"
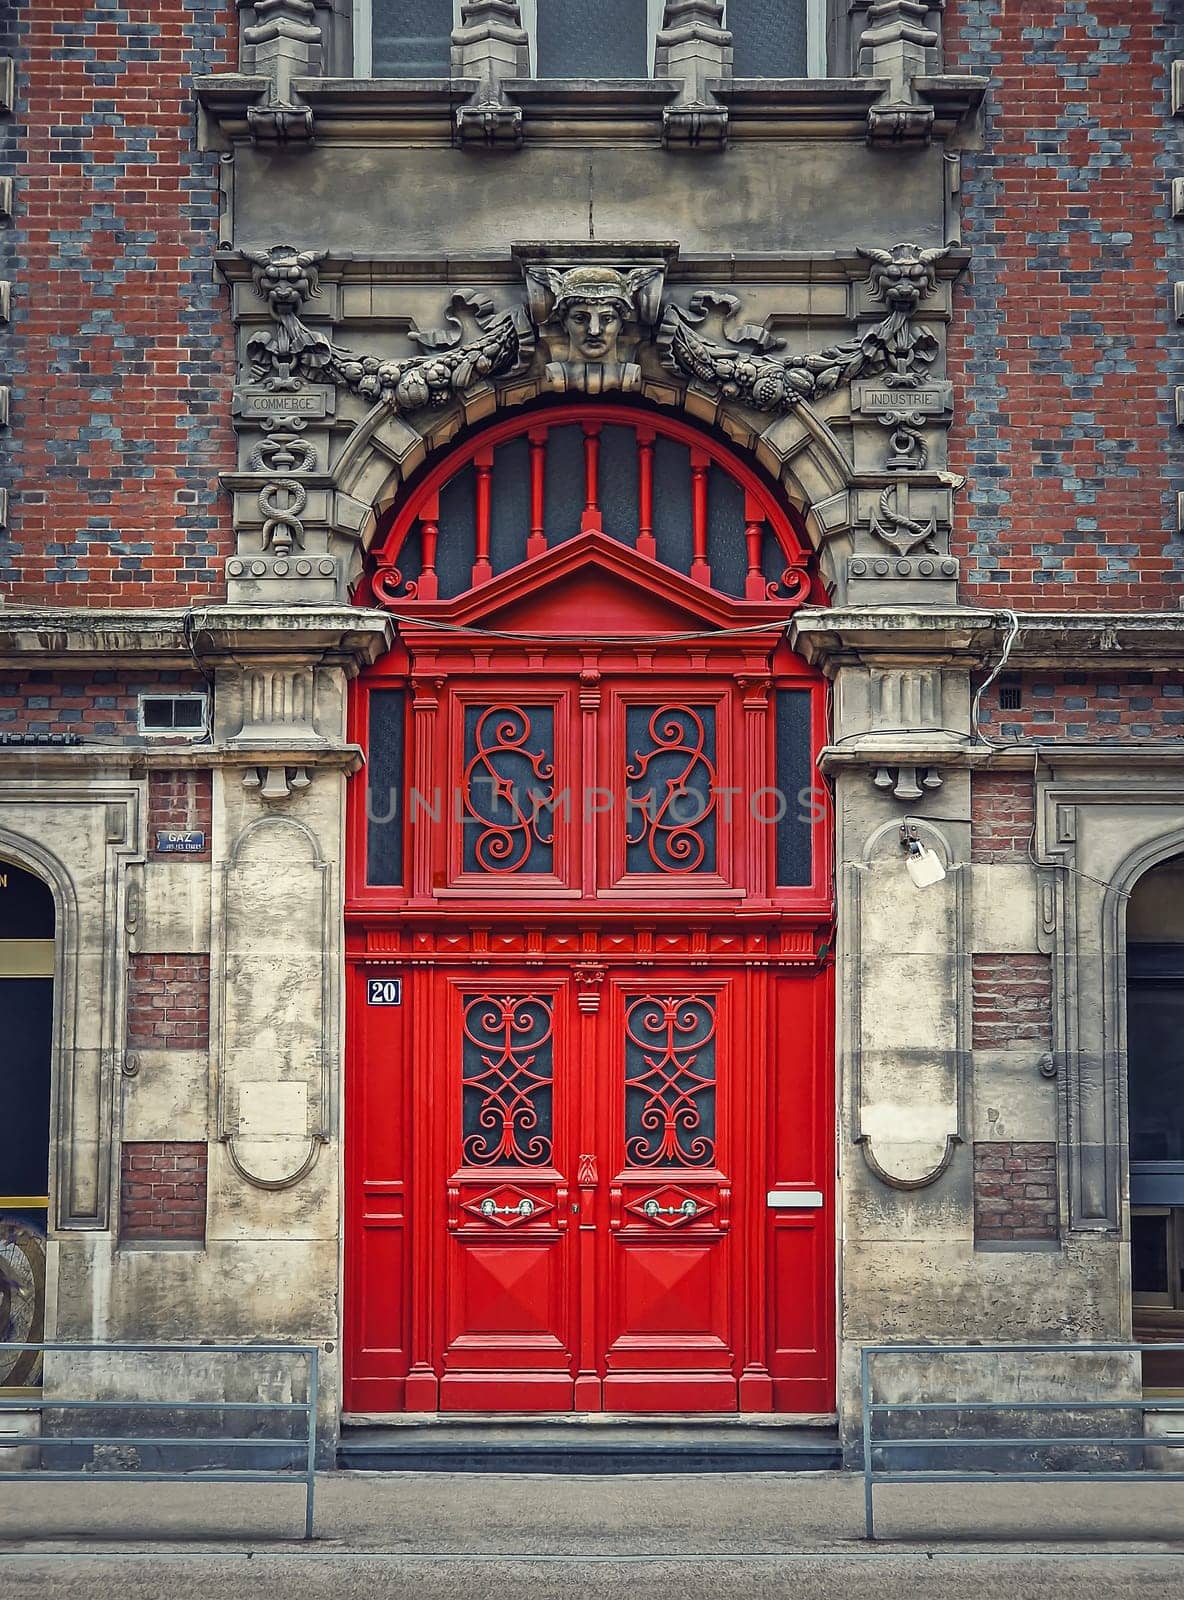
{"x": 963, "y": 636}
{"x": 341, "y": 635}
{"x": 560, "y": 109}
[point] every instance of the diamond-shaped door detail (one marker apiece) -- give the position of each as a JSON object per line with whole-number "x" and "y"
{"x": 670, "y": 1207}
{"x": 508, "y": 1206}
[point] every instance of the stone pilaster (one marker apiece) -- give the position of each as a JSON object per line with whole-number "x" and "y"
{"x": 695, "y": 49}
{"x": 492, "y": 46}
{"x": 283, "y": 43}
{"x": 899, "y": 44}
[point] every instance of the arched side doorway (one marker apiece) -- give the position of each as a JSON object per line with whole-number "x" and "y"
{"x": 1155, "y": 1107}
{"x": 589, "y": 1099}
{"x": 26, "y": 1005}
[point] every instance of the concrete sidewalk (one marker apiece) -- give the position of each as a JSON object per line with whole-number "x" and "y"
{"x": 669, "y": 1538}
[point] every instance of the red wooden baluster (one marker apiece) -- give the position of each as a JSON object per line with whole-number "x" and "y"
{"x": 482, "y": 566}
{"x": 536, "y": 541}
{"x": 428, "y": 586}
{"x": 700, "y": 570}
{"x": 590, "y": 522}
{"x": 646, "y": 543}
{"x": 754, "y": 534}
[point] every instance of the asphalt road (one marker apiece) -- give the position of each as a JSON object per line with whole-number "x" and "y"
{"x": 549, "y": 1538}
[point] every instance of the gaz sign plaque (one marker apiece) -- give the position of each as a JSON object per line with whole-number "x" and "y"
{"x": 384, "y": 991}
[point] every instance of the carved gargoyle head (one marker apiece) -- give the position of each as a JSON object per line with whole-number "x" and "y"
{"x": 903, "y": 276}
{"x": 285, "y": 277}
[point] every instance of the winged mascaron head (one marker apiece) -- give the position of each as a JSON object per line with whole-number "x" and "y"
{"x": 594, "y": 306}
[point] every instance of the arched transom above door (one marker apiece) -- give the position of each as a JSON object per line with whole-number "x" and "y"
{"x": 670, "y": 495}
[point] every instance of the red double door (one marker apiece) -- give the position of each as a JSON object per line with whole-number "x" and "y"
{"x": 611, "y": 1197}
{"x": 589, "y": 1095}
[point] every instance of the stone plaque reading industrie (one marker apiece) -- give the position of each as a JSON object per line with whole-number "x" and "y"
{"x": 881, "y": 399}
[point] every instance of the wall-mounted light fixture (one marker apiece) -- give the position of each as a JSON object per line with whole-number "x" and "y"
{"x": 924, "y": 865}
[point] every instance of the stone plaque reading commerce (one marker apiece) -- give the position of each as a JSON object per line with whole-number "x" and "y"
{"x": 315, "y": 400}
{"x": 878, "y": 399}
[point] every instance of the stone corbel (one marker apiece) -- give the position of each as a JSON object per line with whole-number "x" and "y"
{"x": 492, "y": 46}
{"x": 282, "y": 44}
{"x": 695, "y": 49}
{"x": 276, "y": 784}
{"x": 898, "y": 44}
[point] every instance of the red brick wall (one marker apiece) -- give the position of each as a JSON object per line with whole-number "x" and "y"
{"x": 1015, "y": 1191}
{"x": 120, "y": 348}
{"x": 1002, "y": 814}
{"x": 1133, "y": 706}
{"x": 98, "y": 705}
{"x": 162, "y": 1191}
{"x": 168, "y": 1002}
{"x": 1012, "y": 999}
{"x": 1063, "y": 350}
{"x": 180, "y": 801}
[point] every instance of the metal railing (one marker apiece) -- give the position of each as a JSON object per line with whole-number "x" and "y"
{"x": 303, "y": 1441}
{"x": 873, "y": 1409}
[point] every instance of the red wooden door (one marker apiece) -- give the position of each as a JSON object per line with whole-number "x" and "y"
{"x": 590, "y": 1146}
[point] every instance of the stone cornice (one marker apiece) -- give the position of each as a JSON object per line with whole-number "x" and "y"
{"x": 1023, "y": 755}
{"x": 205, "y": 636}
{"x": 613, "y": 110}
{"x": 467, "y": 268}
{"x": 1105, "y": 642}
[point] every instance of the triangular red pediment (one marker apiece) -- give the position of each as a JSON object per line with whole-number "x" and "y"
{"x": 592, "y": 586}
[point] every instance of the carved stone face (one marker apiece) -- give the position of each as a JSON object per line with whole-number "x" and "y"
{"x": 593, "y": 328}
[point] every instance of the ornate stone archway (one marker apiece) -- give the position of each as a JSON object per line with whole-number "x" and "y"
{"x": 854, "y": 431}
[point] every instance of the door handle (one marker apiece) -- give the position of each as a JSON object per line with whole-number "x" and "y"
{"x": 524, "y": 1208}
{"x": 687, "y": 1208}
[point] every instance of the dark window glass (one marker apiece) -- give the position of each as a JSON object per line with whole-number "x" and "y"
{"x": 509, "y": 508}
{"x": 563, "y": 501}
{"x": 768, "y": 38}
{"x": 1149, "y": 1254}
{"x": 726, "y": 549}
{"x": 795, "y": 777}
{"x": 670, "y": 787}
{"x": 620, "y": 486}
{"x": 24, "y": 1085}
{"x": 509, "y": 754}
{"x": 672, "y": 504}
{"x": 166, "y": 713}
{"x": 1155, "y": 1052}
{"x": 411, "y": 38}
{"x": 506, "y": 1072}
{"x": 607, "y": 40}
{"x": 670, "y": 1080}
{"x": 385, "y": 794}
{"x": 26, "y": 905}
{"x": 458, "y": 533}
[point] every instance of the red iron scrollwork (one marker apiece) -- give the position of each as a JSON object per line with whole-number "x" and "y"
{"x": 670, "y": 1080}
{"x": 508, "y": 789}
{"x": 507, "y": 1078}
{"x": 671, "y": 821}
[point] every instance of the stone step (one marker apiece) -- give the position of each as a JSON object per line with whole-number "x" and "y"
{"x": 584, "y": 1445}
